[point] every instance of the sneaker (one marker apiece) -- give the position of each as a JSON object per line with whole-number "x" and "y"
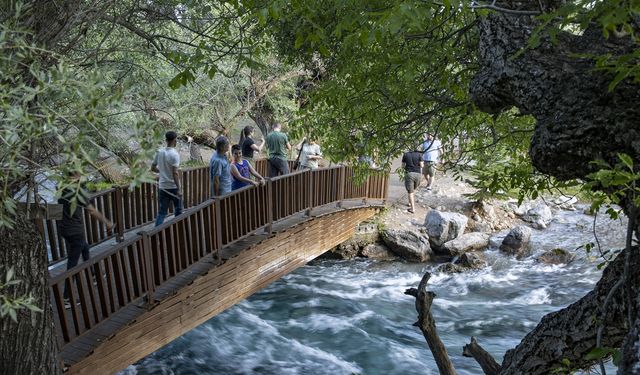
{"x": 429, "y": 188}
{"x": 411, "y": 211}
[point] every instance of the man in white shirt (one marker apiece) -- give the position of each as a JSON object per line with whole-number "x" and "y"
{"x": 432, "y": 149}
{"x": 166, "y": 164}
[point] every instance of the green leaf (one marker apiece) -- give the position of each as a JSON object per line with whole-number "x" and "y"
{"x": 627, "y": 160}
{"x": 599, "y": 353}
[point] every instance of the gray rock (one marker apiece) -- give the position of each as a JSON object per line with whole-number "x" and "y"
{"x": 450, "y": 268}
{"x": 407, "y": 244}
{"x": 351, "y": 248}
{"x": 471, "y": 261}
{"x": 517, "y": 241}
{"x": 377, "y": 251}
{"x": 466, "y": 242}
{"x": 565, "y": 202}
{"x": 444, "y": 226}
{"x": 556, "y": 256}
{"x": 482, "y": 227}
{"x": 539, "y": 216}
{"x": 496, "y": 241}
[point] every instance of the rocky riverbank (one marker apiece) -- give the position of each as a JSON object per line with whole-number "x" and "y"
{"x": 451, "y": 229}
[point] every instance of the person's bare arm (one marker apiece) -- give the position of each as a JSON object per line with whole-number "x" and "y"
{"x": 256, "y": 174}
{"x": 236, "y": 174}
{"x": 98, "y": 215}
{"x": 258, "y": 148}
{"x": 216, "y": 185}
{"x": 175, "y": 172}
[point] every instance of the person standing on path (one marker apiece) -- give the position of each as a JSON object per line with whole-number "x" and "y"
{"x": 432, "y": 149}
{"x": 72, "y": 225}
{"x": 166, "y": 164}
{"x": 412, "y": 164}
{"x": 220, "y": 168}
{"x": 278, "y": 145}
{"x": 248, "y": 145}
{"x": 309, "y": 154}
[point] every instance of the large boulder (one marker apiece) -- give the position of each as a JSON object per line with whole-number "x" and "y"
{"x": 517, "y": 241}
{"x": 539, "y": 216}
{"x": 443, "y": 227}
{"x": 466, "y": 242}
{"x": 556, "y": 256}
{"x": 377, "y": 251}
{"x": 407, "y": 244}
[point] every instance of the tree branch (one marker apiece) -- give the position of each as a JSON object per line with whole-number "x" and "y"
{"x": 427, "y": 325}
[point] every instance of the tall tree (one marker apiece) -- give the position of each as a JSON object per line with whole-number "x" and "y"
{"x": 64, "y": 73}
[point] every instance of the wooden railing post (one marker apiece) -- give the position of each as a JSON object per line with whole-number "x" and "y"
{"x": 366, "y": 190}
{"x": 119, "y": 214}
{"x": 342, "y": 181}
{"x": 269, "y": 227}
{"x": 311, "y": 191}
{"x": 148, "y": 268}
{"x": 218, "y": 209}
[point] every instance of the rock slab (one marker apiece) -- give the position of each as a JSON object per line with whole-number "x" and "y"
{"x": 517, "y": 241}
{"x": 556, "y": 256}
{"x": 443, "y": 227}
{"x": 378, "y": 251}
{"x": 467, "y": 242}
{"x": 408, "y": 245}
{"x": 539, "y": 216}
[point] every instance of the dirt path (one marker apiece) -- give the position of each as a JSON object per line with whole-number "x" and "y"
{"x": 447, "y": 194}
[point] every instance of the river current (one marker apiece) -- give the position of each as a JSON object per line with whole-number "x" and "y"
{"x": 352, "y": 317}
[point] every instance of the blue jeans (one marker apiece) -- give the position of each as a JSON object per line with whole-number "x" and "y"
{"x": 165, "y": 196}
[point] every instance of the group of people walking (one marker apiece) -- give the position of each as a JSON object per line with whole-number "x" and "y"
{"x": 230, "y": 173}
{"x": 419, "y": 163}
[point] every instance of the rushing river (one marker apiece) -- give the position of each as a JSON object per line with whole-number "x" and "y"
{"x": 352, "y": 317}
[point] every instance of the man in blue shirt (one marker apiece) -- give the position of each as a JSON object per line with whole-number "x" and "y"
{"x": 220, "y": 168}
{"x": 432, "y": 152}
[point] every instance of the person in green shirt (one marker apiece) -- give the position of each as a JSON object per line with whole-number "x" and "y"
{"x": 278, "y": 145}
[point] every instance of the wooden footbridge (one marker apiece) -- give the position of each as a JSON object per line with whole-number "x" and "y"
{"x": 144, "y": 286}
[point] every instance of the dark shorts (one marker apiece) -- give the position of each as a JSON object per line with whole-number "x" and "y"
{"x": 412, "y": 181}
{"x": 429, "y": 168}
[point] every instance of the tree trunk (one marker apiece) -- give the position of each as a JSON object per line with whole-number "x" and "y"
{"x": 630, "y": 364}
{"x": 263, "y": 117}
{"x": 427, "y": 325}
{"x": 571, "y": 332}
{"x": 30, "y": 345}
{"x": 578, "y": 119}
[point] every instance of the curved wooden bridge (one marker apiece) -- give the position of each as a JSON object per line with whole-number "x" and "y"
{"x": 145, "y": 286}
